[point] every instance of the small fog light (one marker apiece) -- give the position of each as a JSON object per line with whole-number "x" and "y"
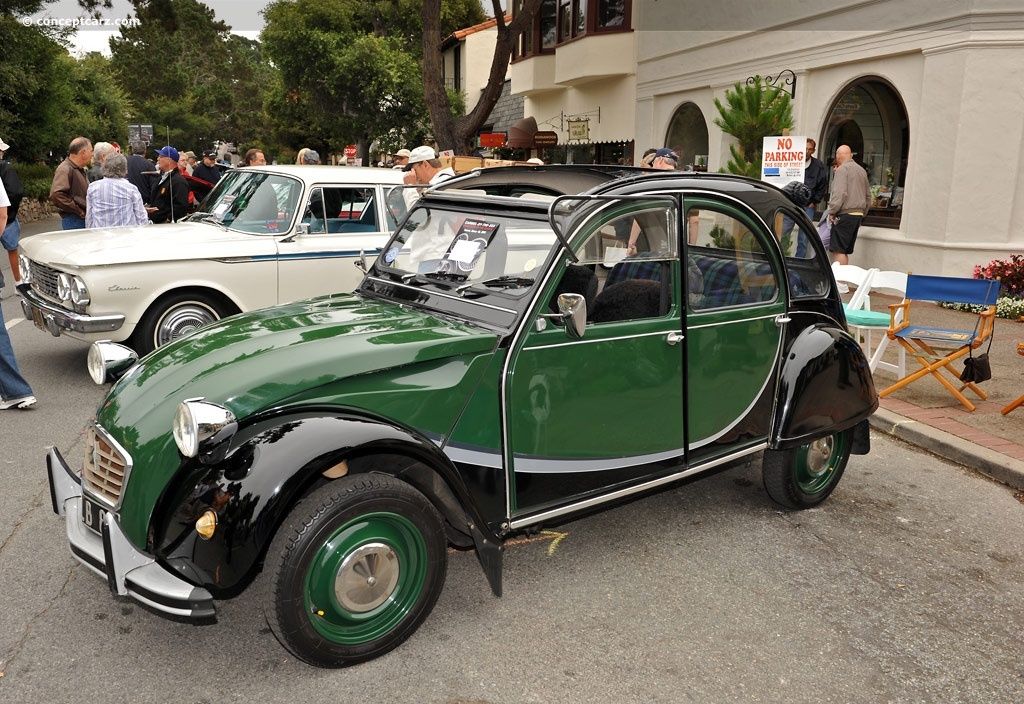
{"x": 206, "y": 525}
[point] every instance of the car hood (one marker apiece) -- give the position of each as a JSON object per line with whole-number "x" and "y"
{"x": 77, "y": 249}
{"x": 257, "y": 360}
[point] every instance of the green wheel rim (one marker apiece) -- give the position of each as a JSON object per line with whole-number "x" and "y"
{"x": 347, "y": 600}
{"x": 817, "y": 463}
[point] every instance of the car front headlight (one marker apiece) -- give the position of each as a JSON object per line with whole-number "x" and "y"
{"x": 64, "y": 287}
{"x": 108, "y": 361}
{"x": 198, "y": 423}
{"x": 26, "y": 269}
{"x": 79, "y": 292}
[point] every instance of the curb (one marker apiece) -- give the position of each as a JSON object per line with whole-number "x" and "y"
{"x": 1002, "y": 468}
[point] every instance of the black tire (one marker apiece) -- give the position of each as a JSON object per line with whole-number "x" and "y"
{"x": 804, "y": 476}
{"x": 322, "y": 598}
{"x": 176, "y": 315}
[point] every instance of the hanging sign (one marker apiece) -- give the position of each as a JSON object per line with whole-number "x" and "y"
{"x": 783, "y": 160}
{"x": 545, "y": 138}
{"x": 579, "y": 130}
{"x": 490, "y": 140}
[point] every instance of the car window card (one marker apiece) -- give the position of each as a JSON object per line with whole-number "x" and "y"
{"x": 467, "y": 246}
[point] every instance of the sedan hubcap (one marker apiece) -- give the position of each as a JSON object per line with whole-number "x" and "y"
{"x": 367, "y": 577}
{"x": 183, "y": 320}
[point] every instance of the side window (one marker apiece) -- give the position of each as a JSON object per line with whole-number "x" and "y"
{"x": 337, "y": 209}
{"x": 625, "y": 265}
{"x": 808, "y": 277}
{"x": 726, "y": 262}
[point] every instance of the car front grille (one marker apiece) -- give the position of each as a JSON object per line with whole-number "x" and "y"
{"x": 44, "y": 279}
{"x": 106, "y": 466}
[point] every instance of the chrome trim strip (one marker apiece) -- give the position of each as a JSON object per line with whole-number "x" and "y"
{"x": 730, "y": 322}
{"x": 479, "y": 458}
{"x": 56, "y": 318}
{"x": 585, "y": 341}
{"x": 596, "y": 501}
{"x": 442, "y": 295}
{"x": 537, "y": 465}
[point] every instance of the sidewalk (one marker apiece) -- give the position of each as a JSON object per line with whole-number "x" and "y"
{"x": 926, "y": 415}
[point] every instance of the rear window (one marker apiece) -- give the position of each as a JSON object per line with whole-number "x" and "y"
{"x": 805, "y": 257}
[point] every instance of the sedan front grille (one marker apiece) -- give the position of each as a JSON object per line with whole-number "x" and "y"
{"x": 106, "y": 466}
{"x": 44, "y": 279}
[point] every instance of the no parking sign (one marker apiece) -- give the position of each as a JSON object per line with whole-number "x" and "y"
{"x": 783, "y": 159}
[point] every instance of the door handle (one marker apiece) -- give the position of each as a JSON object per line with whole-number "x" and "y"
{"x": 674, "y": 338}
{"x": 782, "y": 319}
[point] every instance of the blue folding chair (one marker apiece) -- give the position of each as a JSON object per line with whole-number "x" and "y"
{"x": 934, "y": 348}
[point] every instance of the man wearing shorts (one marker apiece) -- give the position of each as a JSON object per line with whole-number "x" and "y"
{"x": 847, "y": 205}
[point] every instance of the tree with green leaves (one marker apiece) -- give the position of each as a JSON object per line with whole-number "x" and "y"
{"x": 458, "y": 132}
{"x": 755, "y": 110}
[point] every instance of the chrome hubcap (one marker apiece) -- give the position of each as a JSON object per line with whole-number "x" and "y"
{"x": 819, "y": 454}
{"x": 182, "y": 320}
{"x": 367, "y": 577}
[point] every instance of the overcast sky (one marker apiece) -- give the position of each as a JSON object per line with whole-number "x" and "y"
{"x": 243, "y": 16}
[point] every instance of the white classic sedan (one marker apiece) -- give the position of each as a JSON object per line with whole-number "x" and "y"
{"x": 264, "y": 235}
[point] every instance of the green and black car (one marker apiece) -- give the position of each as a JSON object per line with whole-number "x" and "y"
{"x": 531, "y": 344}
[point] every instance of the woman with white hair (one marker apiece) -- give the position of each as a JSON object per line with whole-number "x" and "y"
{"x": 100, "y": 152}
{"x": 113, "y": 201}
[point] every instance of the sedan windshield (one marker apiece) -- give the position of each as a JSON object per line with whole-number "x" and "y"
{"x": 469, "y": 250}
{"x": 252, "y": 201}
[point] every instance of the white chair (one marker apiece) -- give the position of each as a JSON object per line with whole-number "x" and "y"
{"x": 867, "y": 322}
{"x": 855, "y": 276}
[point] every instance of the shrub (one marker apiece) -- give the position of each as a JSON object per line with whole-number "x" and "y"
{"x": 1009, "y": 273}
{"x": 1006, "y": 307}
{"x": 36, "y": 178}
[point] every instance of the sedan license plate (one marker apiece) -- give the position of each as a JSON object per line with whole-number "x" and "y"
{"x": 37, "y": 318}
{"x": 92, "y": 514}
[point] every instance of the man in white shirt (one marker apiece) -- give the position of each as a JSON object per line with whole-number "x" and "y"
{"x": 113, "y": 201}
{"x": 424, "y": 169}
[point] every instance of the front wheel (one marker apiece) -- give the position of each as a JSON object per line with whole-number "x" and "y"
{"x": 175, "y": 316}
{"x": 355, "y": 569}
{"x": 804, "y": 476}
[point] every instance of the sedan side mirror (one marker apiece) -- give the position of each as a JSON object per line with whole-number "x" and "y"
{"x": 573, "y": 308}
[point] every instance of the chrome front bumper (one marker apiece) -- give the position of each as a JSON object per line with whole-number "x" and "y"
{"x": 55, "y": 319}
{"x": 128, "y": 571}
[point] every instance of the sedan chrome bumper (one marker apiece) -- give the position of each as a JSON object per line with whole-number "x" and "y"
{"x": 129, "y": 571}
{"x": 55, "y": 319}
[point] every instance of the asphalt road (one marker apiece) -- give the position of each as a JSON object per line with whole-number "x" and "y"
{"x": 906, "y": 586}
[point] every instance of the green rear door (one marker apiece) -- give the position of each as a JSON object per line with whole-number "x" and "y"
{"x": 603, "y": 412}
{"x": 736, "y": 305}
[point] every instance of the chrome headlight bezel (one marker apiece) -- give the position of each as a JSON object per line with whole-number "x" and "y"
{"x": 64, "y": 286}
{"x": 199, "y": 424}
{"x": 108, "y": 361}
{"x": 79, "y": 292}
{"x": 26, "y": 268}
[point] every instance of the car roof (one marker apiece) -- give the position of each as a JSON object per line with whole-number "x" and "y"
{"x": 315, "y": 173}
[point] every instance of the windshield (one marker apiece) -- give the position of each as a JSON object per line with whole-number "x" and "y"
{"x": 252, "y": 201}
{"x": 504, "y": 252}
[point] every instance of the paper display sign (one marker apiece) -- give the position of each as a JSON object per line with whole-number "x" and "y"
{"x": 470, "y": 242}
{"x": 782, "y": 160}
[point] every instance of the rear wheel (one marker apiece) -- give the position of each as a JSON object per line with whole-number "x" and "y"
{"x": 355, "y": 569}
{"x": 175, "y": 316}
{"x": 804, "y": 476}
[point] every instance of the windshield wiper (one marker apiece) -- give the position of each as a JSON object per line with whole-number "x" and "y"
{"x": 208, "y": 217}
{"x": 433, "y": 277}
{"x": 506, "y": 281}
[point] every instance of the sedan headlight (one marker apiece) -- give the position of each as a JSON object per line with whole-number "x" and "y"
{"x": 64, "y": 287}
{"x": 108, "y": 361}
{"x": 198, "y": 424}
{"x": 79, "y": 292}
{"x": 26, "y": 269}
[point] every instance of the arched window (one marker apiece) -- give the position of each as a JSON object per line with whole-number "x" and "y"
{"x": 688, "y": 136}
{"x": 870, "y": 118}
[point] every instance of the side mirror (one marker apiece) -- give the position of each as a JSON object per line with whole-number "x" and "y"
{"x": 301, "y": 228}
{"x": 573, "y": 308}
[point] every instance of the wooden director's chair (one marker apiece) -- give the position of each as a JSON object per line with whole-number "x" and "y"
{"x": 935, "y": 349}
{"x": 1020, "y": 399}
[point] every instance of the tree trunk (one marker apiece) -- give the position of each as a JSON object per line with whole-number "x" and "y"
{"x": 459, "y": 133}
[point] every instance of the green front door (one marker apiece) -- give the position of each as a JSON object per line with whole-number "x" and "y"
{"x": 589, "y": 416}
{"x": 735, "y": 308}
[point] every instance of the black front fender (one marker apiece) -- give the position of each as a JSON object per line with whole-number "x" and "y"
{"x": 275, "y": 459}
{"x": 825, "y": 386}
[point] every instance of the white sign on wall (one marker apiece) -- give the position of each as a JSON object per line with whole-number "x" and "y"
{"x": 783, "y": 160}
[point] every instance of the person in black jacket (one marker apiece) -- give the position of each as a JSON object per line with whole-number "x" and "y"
{"x": 815, "y": 178}
{"x": 168, "y": 201}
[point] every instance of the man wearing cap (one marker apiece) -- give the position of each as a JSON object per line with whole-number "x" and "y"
{"x": 207, "y": 168}
{"x": 423, "y": 169}
{"x": 400, "y": 158}
{"x": 168, "y": 201}
{"x": 71, "y": 184}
